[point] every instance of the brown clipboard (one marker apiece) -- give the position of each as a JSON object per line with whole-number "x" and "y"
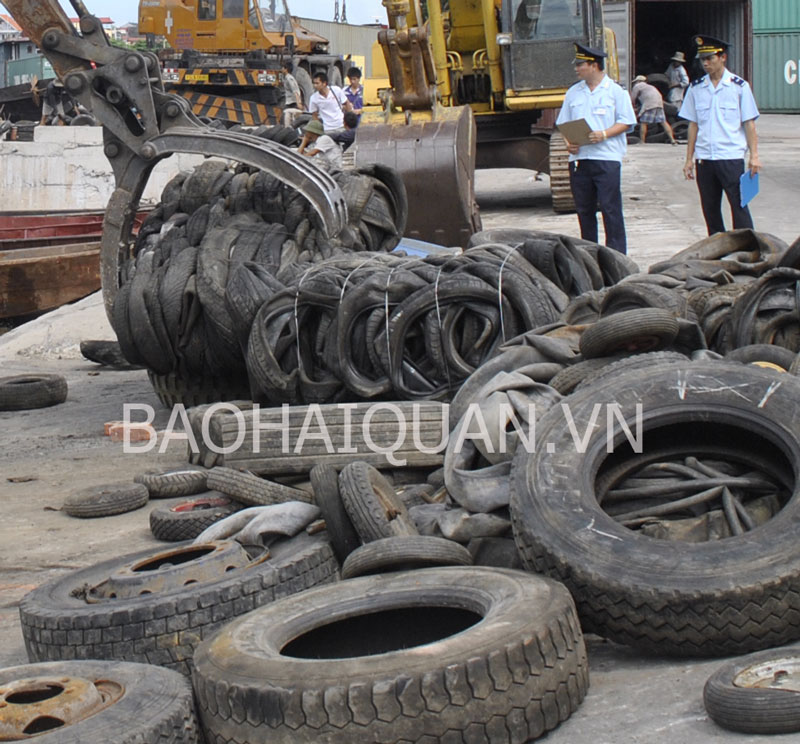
{"x": 575, "y": 132}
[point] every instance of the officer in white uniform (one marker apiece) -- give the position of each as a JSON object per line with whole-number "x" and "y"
{"x": 722, "y": 114}
{"x": 595, "y": 168}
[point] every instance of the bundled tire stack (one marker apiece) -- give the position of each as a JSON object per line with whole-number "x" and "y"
{"x": 218, "y": 238}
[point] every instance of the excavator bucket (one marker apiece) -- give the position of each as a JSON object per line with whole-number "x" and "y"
{"x": 434, "y": 151}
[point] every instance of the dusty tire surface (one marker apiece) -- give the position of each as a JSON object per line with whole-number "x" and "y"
{"x": 156, "y": 706}
{"x": 187, "y": 520}
{"x": 372, "y": 504}
{"x": 23, "y": 392}
{"x": 392, "y": 554}
{"x": 644, "y": 329}
{"x": 161, "y": 629}
{"x": 735, "y": 703}
{"x": 185, "y": 481}
{"x": 729, "y": 596}
{"x": 441, "y": 654}
{"x": 104, "y": 501}
{"x": 342, "y": 534}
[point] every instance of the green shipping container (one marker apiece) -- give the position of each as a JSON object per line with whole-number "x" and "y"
{"x": 776, "y": 72}
{"x": 19, "y": 71}
{"x": 776, "y": 16}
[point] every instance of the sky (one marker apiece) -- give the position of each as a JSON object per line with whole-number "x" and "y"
{"x": 358, "y": 11}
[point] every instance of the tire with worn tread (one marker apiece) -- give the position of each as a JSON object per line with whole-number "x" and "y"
{"x": 172, "y": 389}
{"x": 249, "y": 489}
{"x": 648, "y": 360}
{"x": 156, "y": 705}
{"x": 162, "y": 629}
{"x": 185, "y": 481}
{"x": 105, "y": 501}
{"x": 24, "y": 392}
{"x": 440, "y": 654}
{"x": 372, "y": 504}
{"x": 187, "y": 520}
{"x": 728, "y": 596}
{"x": 759, "y": 353}
{"x": 647, "y": 329}
{"x": 391, "y": 554}
{"x": 570, "y": 377}
{"x": 751, "y": 709}
{"x": 342, "y": 534}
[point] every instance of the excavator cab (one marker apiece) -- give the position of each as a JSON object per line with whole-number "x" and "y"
{"x": 537, "y": 49}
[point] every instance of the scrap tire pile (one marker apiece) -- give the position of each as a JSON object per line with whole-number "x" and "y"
{"x": 221, "y": 241}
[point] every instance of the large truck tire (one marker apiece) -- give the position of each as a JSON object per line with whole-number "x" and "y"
{"x": 439, "y": 654}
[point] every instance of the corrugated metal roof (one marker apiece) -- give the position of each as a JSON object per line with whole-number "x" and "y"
{"x": 776, "y": 15}
{"x": 776, "y": 73}
{"x": 345, "y": 38}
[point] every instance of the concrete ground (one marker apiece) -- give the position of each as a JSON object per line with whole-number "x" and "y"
{"x": 46, "y": 454}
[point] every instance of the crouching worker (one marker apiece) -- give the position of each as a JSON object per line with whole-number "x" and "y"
{"x": 318, "y": 145}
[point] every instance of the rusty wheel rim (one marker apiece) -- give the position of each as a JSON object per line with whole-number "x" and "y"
{"x": 38, "y": 705}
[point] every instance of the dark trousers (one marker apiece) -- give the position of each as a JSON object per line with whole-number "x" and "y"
{"x": 714, "y": 177}
{"x": 596, "y": 184}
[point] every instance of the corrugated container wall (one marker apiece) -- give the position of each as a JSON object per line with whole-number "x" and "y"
{"x": 346, "y": 39}
{"x": 776, "y": 52}
{"x": 776, "y": 16}
{"x": 19, "y": 71}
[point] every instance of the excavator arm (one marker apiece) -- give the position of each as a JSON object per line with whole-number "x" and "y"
{"x": 143, "y": 125}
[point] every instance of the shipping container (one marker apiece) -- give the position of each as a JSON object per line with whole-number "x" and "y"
{"x": 776, "y": 16}
{"x": 19, "y": 71}
{"x": 777, "y": 72}
{"x": 651, "y": 31}
{"x": 348, "y": 40}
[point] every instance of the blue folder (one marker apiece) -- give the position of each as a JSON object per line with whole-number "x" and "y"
{"x": 748, "y": 187}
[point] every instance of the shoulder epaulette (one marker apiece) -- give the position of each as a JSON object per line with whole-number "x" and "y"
{"x": 697, "y": 82}
{"x": 737, "y": 80}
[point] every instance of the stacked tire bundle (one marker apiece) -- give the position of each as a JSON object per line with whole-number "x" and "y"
{"x": 175, "y": 312}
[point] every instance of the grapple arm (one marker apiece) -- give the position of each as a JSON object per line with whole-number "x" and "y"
{"x": 122, "y": 89}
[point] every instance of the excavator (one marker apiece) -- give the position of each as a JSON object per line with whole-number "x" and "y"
{"x": 475, "y": 83}
{"x": 225, "y": 56}
{"x": 142, "y": 125}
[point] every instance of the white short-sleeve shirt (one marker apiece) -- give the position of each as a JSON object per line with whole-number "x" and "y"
{"x": 329, "y": 107}
{"x": 720, "y": 114}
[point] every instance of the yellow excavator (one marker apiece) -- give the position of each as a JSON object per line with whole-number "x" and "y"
{"x": 225, "y": 56}
{"x": 475, "y": 83}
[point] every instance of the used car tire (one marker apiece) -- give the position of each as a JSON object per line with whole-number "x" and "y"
{"x": 391, "y": 554}
{"x": 23, "y": 392}
{"x": 188, "y": 519}
{"x": 104, "y": 501}
{"x": 440, "y": 654}
{"x": 134, "y": 703}
{"x": 374, "y": 508}
{"x": 185, "y": 481}
{"x": 645, "y": 329}
{"x": 746, "y": 694}
{"x": 342, "y": 534}
{"x": 763, "y": 355}
{"x": 730, "y": 596}
{"x": 161, "y": 629}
